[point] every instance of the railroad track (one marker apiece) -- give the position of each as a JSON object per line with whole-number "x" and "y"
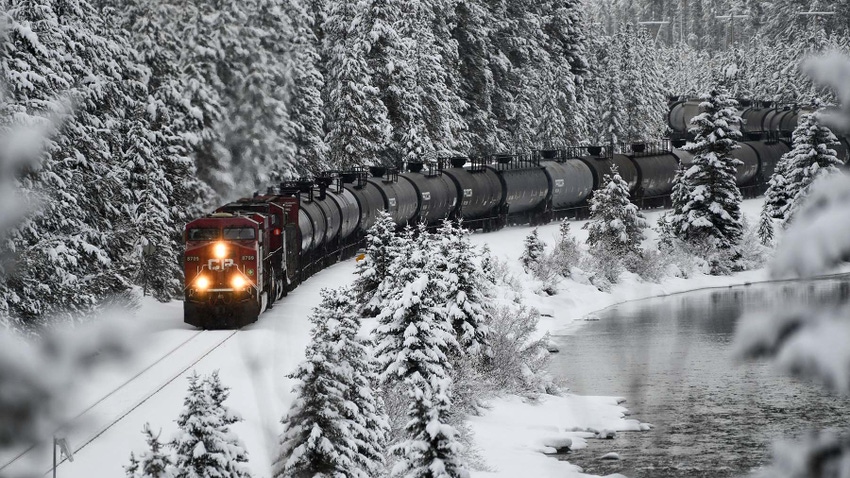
{"x": 123, "y": 400}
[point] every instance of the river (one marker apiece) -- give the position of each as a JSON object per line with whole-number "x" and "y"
{"x": 670, "y": 357}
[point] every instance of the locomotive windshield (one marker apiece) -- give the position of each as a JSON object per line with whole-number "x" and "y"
{"x": 203, "y": 234}
{"x": 239, "y": 233}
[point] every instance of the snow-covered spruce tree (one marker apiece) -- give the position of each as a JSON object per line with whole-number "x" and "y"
{"x": 357, "y": 125}
{"x": 392, "y": 57}
{"x": 607, "y": 96}
{"x": 74, "y": 249}
{"x": 616, "y": 225}
{"x": 440, "y": 82}
{"x": 200, "y": 50}
{"x": 258, "y": 122}
{"x": 170, "y": 118}
{"x": 567, "y": 253}
{"x": 204, "y": 444}
{"x": 711, "y": 206}
{"x": 643, "y": 104}
{"x": 414, "y": 338}
{"x": 432, "y": 449}
{"x": 532, "y": 252}
{"x": 488, "y": 272}
{"x": 132, "y": 470}
{"x": 306, "y": 108}
{"x": 810, "y": 159}
{"x": 148, "y": 210}
{"x": 464, "y": 294}
{"x": 766, "y": 232}
{"x": 337, "y": 425}
{"x": 153, "y": 463}
{"x": 777, "y": 195}
{"x": 476, "y": 84}
{"x": 365, "y": 408}
{"x": 372, "y": 270}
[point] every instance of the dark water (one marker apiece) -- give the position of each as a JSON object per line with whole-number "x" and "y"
{"x": 671, "y": 359}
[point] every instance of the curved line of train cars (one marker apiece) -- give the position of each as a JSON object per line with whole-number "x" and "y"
{"x": 247, "y": 254}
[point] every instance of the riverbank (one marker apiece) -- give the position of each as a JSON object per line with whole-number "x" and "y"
{"x": 513, "y": 436}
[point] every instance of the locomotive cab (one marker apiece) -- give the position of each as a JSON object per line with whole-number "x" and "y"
{"x": 224, "y": 270}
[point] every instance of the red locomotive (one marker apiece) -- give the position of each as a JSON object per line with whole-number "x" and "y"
{"x": 239, "y": 260}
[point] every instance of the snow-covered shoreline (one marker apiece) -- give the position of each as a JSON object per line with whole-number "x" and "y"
{"x": 512, "y": 435}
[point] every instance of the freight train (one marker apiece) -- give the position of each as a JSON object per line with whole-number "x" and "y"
{"x": 249, "y": 253}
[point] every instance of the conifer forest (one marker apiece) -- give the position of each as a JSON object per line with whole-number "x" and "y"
{"x": 405, "y": 344}
{"x": 158, "y": 110}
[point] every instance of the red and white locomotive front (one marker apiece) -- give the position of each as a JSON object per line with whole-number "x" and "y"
{"x": 223, "y": 267}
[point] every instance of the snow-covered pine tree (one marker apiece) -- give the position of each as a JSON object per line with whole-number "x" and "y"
{"x": 358, "y": 129}
{"x": 563, "y": 25}
{"x": 74, "y": 248}
{"x": 810, "y": 159}
{"x": 372, "y": 270}
{"x": 233, "y": 451}
{"x": 150, "y": 222}
{"x": 337, "y": 425}
{"x": 132, "y": 470}
{"x": 258, "y": 94}
{"x": 440, "y": 81}
{"x": 413, "y": 337}
{"x": 391, "y": 56}
{"x": 465, "y": 290}
{"x": 532, "y": 252}
{"x": 643, "y": 106}
{"x": 608, "y": 96}
{"x": 196, "y": 430}
{"x": 306, "y": 107}
{"x": 616, "y": 225}
{"x": 670, "y": 220}
{"x": 200, "y": 50}
{"x": 567, "y": 253}
{"x": 432, "y": 449}
{"x": 711, "y": 213}
{"x": 364, "y": 408}
{"x": 777, "y": 195}
{"x": 509, "y": 20}
{"x": 170, "y": 118}
{"x": 557, "y": 95}
{"x": 204, "y": 444}
{"x": 476, "y": 85}
{"x": 765, "y": 231}
{"x": 153, "y": 463}
{"x": 488, "y": 272}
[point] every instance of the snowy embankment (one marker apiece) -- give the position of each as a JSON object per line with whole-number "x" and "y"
{"x": 514, "y": 436}
{"x": 254, "y": 363}
{"x": 564, "y": 312}
{"x": 511, "y": 436}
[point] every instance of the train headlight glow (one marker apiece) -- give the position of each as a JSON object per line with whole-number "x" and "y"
{"x": 202, "y": 283}
{"x": 238, "y": 282}
{"x": 220, "y": 250}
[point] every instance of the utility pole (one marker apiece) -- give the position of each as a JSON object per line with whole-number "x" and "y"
{"x": 815, "y": 15}
{"x": 731, "y": 17}
{"x": 660, "y": 24}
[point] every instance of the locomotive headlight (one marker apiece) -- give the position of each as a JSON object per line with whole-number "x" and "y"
{"x": 202, "y": 283}
{"x": 238, "y": 282}
{"x": 220, "y": 250}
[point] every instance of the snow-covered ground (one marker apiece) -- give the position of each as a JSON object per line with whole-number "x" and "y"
{"x": 510, "y": 436}
{"x": 564, "y": 312}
